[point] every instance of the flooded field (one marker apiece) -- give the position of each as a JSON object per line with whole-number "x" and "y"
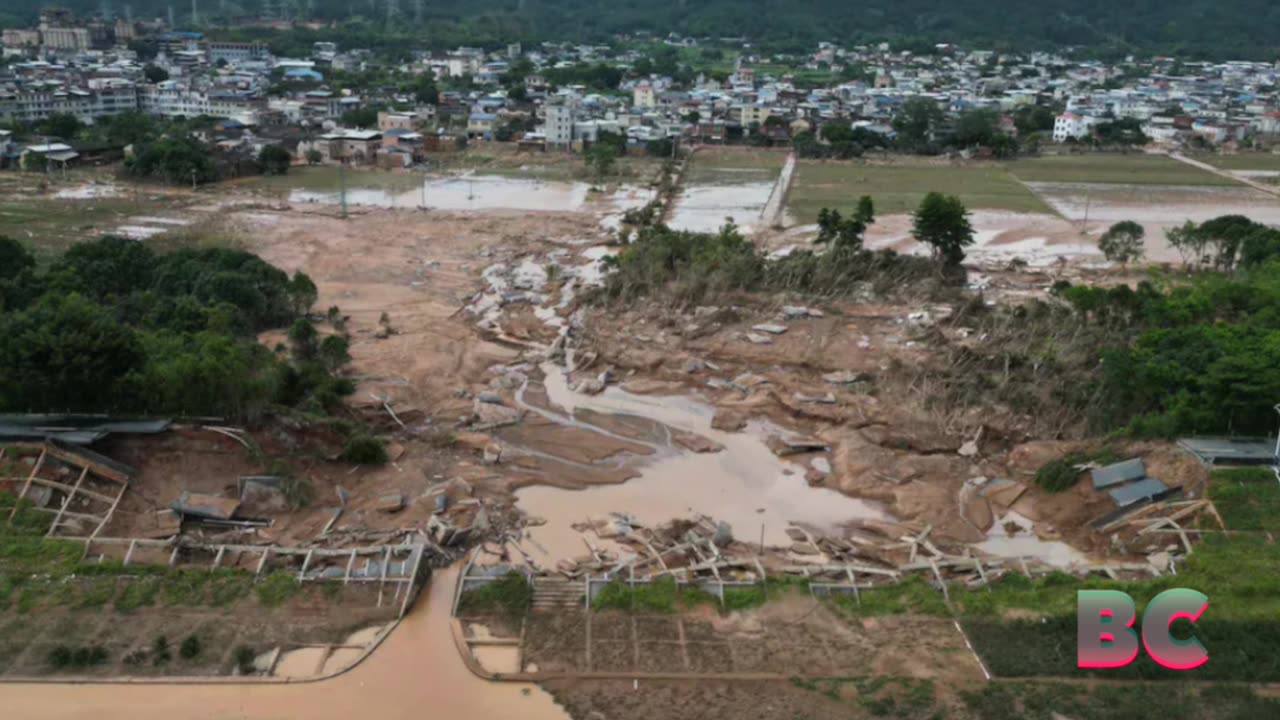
{"x": 480, "y": 192}
{"x": 719, "y": 188}
{"x": 744, "y": 484}
{"x": 1156, "y": 207}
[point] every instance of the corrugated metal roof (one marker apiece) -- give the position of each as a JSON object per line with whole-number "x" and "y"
{"x": 1122, "y": 472}
{"x": 1141, "y": 490}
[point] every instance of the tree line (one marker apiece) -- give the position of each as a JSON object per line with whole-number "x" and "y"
{"x": 111, "y": 326}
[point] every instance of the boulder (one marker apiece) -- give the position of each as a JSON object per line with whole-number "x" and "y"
{"x": 696, "y": 443}
{"x": 769, "y": 328}
{"x": 728, "y": 421}
{"x": 756, "y": 339}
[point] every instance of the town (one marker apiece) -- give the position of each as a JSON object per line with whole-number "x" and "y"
{"x": 356, "y": 106}
{"x": 439, "y": 365}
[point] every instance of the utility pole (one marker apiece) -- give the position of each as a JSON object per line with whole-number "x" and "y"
{"x": 171, "y": 23}
{"x": 195, "y": 14}
{"x": 342, "y": 185}
{"x": 1087, "y": 199}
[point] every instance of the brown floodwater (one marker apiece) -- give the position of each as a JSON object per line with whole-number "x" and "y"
{"x": 745, "y": 484}
{"x": 416, "y": 673}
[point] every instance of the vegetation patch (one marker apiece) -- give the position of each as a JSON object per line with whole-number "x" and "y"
{"x": 1115, "y": 168}
{"x": 879, "y": 696}
{"x": 1247, "y": 498}
{"x": 276, "y": 589}
{"x": 1049, "y": 701}
{"x": 509, "y": 595}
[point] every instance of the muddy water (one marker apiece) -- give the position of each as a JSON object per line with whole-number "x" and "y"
{"x": 705, "y": 208}
{"x": 482, "y": 192}
{"x": 745, "y": 484}
{"x": 416, "y": 673}
{"x": 1024, "y": 543}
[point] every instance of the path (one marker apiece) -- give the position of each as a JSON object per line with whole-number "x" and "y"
{"x": 1268, "y": 189}
{"x": 771, "y": 216}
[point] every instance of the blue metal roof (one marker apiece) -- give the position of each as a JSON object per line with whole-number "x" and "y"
{"x": 1143, "y": 489}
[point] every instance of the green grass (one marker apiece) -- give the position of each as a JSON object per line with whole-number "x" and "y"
{"x": 1049, "y": 701}
{"x": 509, "y": 595}
{"x": 1247, "y": 498}
{"x": 1134, "y": 169}
{"x": 900, "y": 188}
{"x": 913, "y": 596}
{"x": 733, "y": 167}
{"x": 1244, "y": 161}
{"x": 272, "y": 592}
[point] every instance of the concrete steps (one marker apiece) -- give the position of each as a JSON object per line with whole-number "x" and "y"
{"x": 557, "y": 593}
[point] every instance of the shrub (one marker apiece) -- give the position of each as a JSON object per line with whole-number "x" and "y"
{"x": 365, "y": 449}
{"x": 277, "y": 589}
{"x": 245, "y": 656}
{"x": 190, "y": 648}
{"x": 1058, "y": 475}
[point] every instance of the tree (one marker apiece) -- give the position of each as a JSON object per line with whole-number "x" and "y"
{"x": 302, "y": 293}
{"x": 942, "y": 222}
{"x": 61, "y": 125}
{"x": 15, "y": 259}
{"x": 274, "y": 159}
{"x": 361, "y": 118}
{"x": 916, "y": 121}
{"x": 1225, "y": 235}
{"x": 866, "y": 212}
{"x": 105, "y": 267}
{"x": 155, "y": 74}
{"x": 303, "y": 341}
{"x": 1125, "y": 131}
{"x": 975, "y": 127}
{"x": 601, "y": 158}
{"x": 1188, "y": 241}
{"x": 425, "y": 89}
{"x": 1031, "y": 119}
{"x": 1122, "y": 242}
{"x": 314, "y": 157}
{"x": 840, "y": 232}
{"x": 64, "y": 353}
{"x": 179, "y": 160}
{"x": 129, "y": 128}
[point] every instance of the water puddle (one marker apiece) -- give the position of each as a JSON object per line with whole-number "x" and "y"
{"x": 301, "y": 663}
{"x": 704, "y": 208}
{"x": 745, "y": 484}
{"x": 87, "y": 192}
{"x": 1024, "y": 543}
{"x": 482, "y": 192}
{"x": 497, "y": 658}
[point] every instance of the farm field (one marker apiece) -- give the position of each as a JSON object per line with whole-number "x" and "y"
{"x": 899, "y": 188}
{"x": 1112, "y": 170}
{"x": 1245, "y": 161}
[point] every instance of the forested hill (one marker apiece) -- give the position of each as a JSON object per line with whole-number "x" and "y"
{"x": 1192, "y": 28}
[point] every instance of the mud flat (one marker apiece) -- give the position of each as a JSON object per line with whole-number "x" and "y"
{"x": 744, "y": 484}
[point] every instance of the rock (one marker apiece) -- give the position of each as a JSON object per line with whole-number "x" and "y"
{"x": 493, "y": 398}
{"x": 382, "y": 333}
{"x": 968, "y": 449}
{"x": 693, "y": 365}
{"x": 696, "y": 443}
{"x": 508, "y": 381}
{"x": 589, "y": 386}
{"x": 534, "y": 521}
{"x": 750, "y": 380}
{"x": 704, "y": 311}
{"x": 828, "y": 399}
{"x": 978, "y": 512}
{"x": 770, "y": 328}
{"x": 391, "y": 503}
{"x": 472, "y": 441}
{"x": 821, "y": 465}
{"x": 814, "y": 477}
{"x": 797, "y": 312}
{"x": 260, "y": 496}
{"x": 843, "y": 377}
{"x": 492, "y": 454}
{"x": 755, "y": 339}
{"x": 488, "y": 413}
{"x": 645, "y": 386}
{"x": 728, "y": 421}
{"x": 783, "y": 446}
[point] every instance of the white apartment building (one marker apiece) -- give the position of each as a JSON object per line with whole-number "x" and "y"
{"x": 559, "y": 123}
{"x": 1071, "y": 125}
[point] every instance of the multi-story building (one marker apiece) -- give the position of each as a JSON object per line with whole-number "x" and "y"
{"x": 38, "y": 101}
{"x": 558, "y": 125}
{"x": 1071, "y": 125}
{"x": 235, "y": 52}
